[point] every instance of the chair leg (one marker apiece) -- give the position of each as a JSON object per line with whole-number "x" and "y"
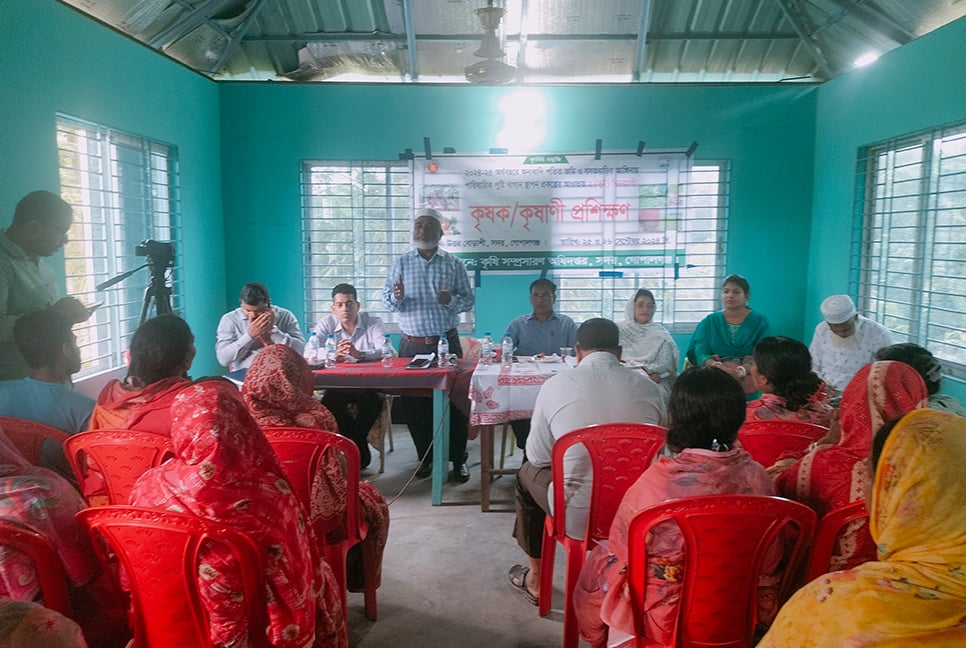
{"x": 335, "y": 555}
{"x": 369, "y": 584}
{"x": 506, "y": 427}
{"x": 548, "y": 549}
{"x": 576, "y": 555}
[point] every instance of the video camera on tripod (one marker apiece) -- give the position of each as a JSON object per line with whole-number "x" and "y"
{"x": 160, "y": 257}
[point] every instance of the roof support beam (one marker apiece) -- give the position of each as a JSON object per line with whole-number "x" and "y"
{"x": 407, "y": 7}
{"x": 236, "y": 36}
{"x": 877, "y": 19}
{"x": 653, "y": 37}
{"x": 799, "y": 20}
{"x": 187, "y": 22}
{"x": 640, "y": 56}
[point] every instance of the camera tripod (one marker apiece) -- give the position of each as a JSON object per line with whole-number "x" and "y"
{"x": 157, "y": 291}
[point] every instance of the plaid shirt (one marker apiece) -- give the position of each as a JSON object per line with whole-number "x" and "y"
{"x": 418, "y": 312}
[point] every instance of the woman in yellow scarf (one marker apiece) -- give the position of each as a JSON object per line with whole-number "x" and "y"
{"x": 915, "y": 594}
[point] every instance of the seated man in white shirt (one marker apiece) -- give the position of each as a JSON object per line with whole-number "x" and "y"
{"x": 599, "y": 390}
{"x": 255, "y": 324}
{"x": 845, "y": 342}
{"x": 359, "y": 337}
{"x": 46, "y": 342}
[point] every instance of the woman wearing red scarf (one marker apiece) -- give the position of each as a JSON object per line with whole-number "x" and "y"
{"x": 278, "y": 392}
{"x": 832, "y": 475}
{"x": 225, "y": 470}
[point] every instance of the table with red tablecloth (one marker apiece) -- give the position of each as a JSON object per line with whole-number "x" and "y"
{"x": 443, "y": 384}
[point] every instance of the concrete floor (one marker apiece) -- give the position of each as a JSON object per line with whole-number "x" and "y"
{"x": 444, "y": 576}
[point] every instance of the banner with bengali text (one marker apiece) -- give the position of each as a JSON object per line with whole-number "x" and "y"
{"x": 560, "y": 211}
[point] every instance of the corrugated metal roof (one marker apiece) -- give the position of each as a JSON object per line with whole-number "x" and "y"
{"x": 544, "y": 41}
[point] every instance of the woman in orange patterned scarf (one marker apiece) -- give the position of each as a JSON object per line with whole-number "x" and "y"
{"x": 915, "y": 593}
{"x": 278, "y": 392}
{"x": 225, "y": 470}
{"x": 831, "y": 476}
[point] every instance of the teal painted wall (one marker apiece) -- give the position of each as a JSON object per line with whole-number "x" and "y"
{"x": 920, "y": 85}
{"x": 766, "y": 133}
{"x": 54, "y": 60}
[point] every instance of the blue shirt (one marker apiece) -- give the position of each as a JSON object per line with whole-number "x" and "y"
{"x": 418, "y": 312}
{"x": 532, "y": 336}
{"x": 52, "y": 404}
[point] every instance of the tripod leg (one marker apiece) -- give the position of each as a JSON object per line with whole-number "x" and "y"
{"x": 145, "y": 305}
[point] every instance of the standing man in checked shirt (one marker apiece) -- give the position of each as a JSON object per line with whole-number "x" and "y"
{"x": 428, "y": 288}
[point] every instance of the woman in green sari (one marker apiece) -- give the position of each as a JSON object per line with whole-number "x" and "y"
{"x": 726, "y": 338}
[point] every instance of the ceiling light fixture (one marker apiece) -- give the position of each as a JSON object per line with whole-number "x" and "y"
{"x": 865, "y": 59}
{"x": 492, "y": 70}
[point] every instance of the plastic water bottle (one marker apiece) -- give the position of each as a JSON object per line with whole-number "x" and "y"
{"x": 387, "y": 352}
{"x": 311, "y": 352}
{"x": 486, "y": 354}
{"x": 507, "y": 349}
{"x": 442, "y": 350}
{"x": 329, "y": 351}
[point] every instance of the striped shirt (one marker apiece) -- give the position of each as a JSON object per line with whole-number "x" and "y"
{"x": 418, "y": 312}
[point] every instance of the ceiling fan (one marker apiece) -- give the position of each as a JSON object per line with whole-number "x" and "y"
{"x": 491, "y": 70}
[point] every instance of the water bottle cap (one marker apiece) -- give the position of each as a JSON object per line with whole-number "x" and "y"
{"x": 329, "y": 335}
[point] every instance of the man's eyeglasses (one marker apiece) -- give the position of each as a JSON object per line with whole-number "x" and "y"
{"x": 542, "y": 295}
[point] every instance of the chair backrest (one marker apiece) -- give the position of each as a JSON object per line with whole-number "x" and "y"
{"x": 471, "y": 348}
{"x": 619, "y": 453}
{"x": 160, "y": 552}
{"x": 29, "y": 436}
{"x": 50, "y": 570}
{"x": 830, "y": 529}
{"x": 118, "y": 457}
{"x": 301, "y": 452}
{"x": 726, "y": 541}
{"x": 766, "y": 441}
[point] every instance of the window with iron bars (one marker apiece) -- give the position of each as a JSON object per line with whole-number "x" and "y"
{"x": 909, "y": 240}
{"x": 357, "y": 218}
{"x": 124, "y": 189}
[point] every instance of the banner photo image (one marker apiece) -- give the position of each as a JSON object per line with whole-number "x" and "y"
{"x": 561, "y": 211}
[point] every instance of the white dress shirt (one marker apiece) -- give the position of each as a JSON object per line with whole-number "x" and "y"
{"x": 598, "y": 390}
{"x": 367, "y": 338}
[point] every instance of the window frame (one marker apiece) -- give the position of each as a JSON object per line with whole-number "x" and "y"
{"x": 899, "y": 205}
{"x": 124, "y": 188}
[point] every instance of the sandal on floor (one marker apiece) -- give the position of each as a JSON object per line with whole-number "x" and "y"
{"x": 518, "y": 581}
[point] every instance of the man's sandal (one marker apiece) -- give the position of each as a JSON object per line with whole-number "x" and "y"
{"x": 518, "y": 581}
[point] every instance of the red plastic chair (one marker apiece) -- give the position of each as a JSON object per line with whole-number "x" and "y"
{"x": 301, "y": 451}
{"x": 766, "y": 441}
{"x": 42, "y": 553}
{"x": 29, "y": 436}
{"x": 109, "y": 462}
{"x": 830, "y": 529}
{"x": 726, "y": 540}
{"x": 159, "y": 552}
{"x": 619, "y": 453}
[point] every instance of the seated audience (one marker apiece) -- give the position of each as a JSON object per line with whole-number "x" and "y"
{"x": 359, "y": 337}
{"x": 726, "y": 338}
{"x": 278, "y": 393}
{"x": 598, "y": 390}
{"x": 924, "y": 362}
{"x": 42, "y": 501}
{"x": 914, "y": 594}
{"x": 646, "y": 342}
{"x": 224, "y": 470}
{"x": 542, "y": 331}
{"x": 835, "y": 471}
{"x": 28, "y": 625}
{"x": 254, "y": 325}
{"x": 844, "y": 342}
{"x": 790, "y": 390}
{"x": 706, "y": 409}
{"x": 46, "y": 342}
{"x": 162, "y": 351}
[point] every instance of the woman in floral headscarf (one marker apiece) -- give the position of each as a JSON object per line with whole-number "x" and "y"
{"x": 43, "y": 501}
{"x": 831, "y": 476}
{"x": 915, "y": 593}
{"x": 647, "y": 342}
{"x": 225, "y": 470}
{"x": 278, "y": 392}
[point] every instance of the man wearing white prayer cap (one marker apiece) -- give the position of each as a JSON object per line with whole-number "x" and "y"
{"x": 844, "y": 342}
